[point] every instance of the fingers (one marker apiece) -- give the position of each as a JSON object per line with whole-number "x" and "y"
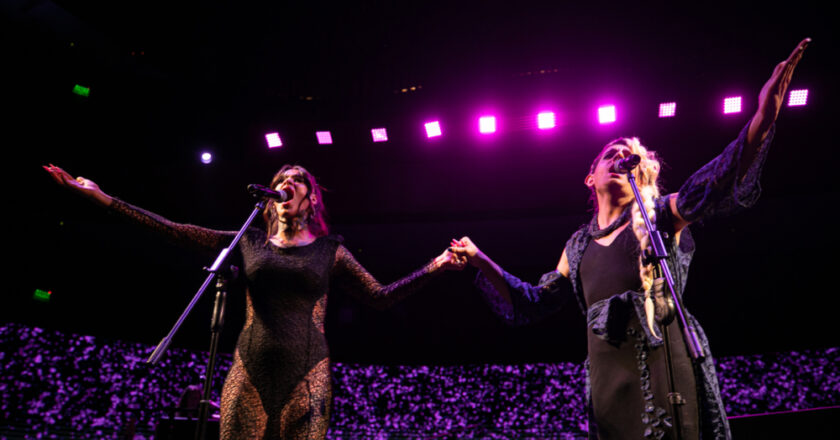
{"x": 451, "y": 261}
{"x": 788, "y": 65}
{"x": 458, "y": 252}
{"x": 460, "y": 247}
{"x": 459, "y": 262}
{"x": 796, "y": 55}
{"x": 60, "y": 176}
{"x": 53, "y": 175}
{"x": 785, "y": 68}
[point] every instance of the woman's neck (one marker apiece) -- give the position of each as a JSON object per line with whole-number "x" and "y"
{"x": 291, "y": 234}
{"x": 610, "y": 208}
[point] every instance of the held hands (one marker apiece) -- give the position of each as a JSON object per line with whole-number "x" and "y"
{"x": 772, "y": 95}
{"x": 449, "y": 261}
{"x": 465, "y": 249}
{"x": 79, "y": 185}
{"x": 459, "y": 253}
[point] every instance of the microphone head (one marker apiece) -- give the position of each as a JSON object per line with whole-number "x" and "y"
{"x": 626, "y": 164}
{"x": 632, "y": 161}
{"x": 286, "y": 193}
{"x": 265, "y": 192}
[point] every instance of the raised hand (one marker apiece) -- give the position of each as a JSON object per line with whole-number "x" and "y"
{"x": 772, "y": 95}
{"x": 79, "y": 185}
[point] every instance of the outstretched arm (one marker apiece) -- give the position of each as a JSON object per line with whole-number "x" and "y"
{"x": 465, "y": 248}
{"x": 184, "y": 234}
{"x": 770, "y": 101}
{"x": 364, "y": 287}
{"x": 730, "y": 180}
{"x": 516, "y": 301}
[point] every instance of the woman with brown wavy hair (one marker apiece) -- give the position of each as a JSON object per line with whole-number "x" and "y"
{"x": 601, "y": 266}
{"x": 279, "y": 383}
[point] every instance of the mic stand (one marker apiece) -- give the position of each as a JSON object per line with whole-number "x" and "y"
{"x": 659, "y": 255}
{"x": 216, "y": 322}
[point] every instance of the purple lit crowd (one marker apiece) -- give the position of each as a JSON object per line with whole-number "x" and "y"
{"x": 54, "y": 385}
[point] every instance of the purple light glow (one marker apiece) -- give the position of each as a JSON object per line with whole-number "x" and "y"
{"x": 206, "y": 157}
{"x": 606, "y": 114}
{"x": 324, "y": 137}
{"x": 667, "y": 109}
{"x": 546, "y": 120}
{"x": 732, "y": 105}
{"x": 273, "y": 140}
{"x": 487, "y": 124}
{"x": 379, "y": 134}
{"x": 433, "y": 129}
{"x": 798, "y": 98}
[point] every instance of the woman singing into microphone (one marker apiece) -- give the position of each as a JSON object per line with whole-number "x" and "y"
{"x": 602, "y": 267}
{"x": 279, "y": 384}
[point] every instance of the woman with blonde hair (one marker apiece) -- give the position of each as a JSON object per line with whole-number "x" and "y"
{"x": 279, "y": 384}
{"x": 602, "y": 267}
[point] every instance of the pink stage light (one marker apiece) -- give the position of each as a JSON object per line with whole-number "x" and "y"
{"x": 433, "y": 129}
{"x": 732, "y": 105}
{"x": 667, "y": 109}
{"x": 546, "y": 120}
{"x": 206, "y": 158}
{"x": 273, "y": 140}
{"x": 606, "y": 114}
{"x": 798, "y": 97}
{"x": 379, "y": 134}
{"x": 324, "y": 137}
{"x": 487, "y": 124}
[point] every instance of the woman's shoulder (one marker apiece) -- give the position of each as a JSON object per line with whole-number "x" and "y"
{"x": 331, "y": 242}
{"x": 255, "y": 232}
{"x": 580, "y": 235}
{"x": 334, "y": 238}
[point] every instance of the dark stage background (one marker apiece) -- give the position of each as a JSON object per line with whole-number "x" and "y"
{"x": 168, "y": 82}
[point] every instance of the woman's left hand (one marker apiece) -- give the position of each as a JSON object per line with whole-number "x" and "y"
{"x": 772, "y": 95}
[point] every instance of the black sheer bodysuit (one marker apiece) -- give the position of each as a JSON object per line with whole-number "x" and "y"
{"x": 279, "y": 384}
{"x": 628, "y": 378}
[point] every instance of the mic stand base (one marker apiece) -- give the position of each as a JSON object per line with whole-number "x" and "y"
{"x": 216, "y": 324}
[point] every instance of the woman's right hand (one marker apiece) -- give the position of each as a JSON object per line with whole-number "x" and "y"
{"x": 467, "y": 249}
{"x": 79, "y": 185}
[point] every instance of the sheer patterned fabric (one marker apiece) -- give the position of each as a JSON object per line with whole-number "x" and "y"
{"x": 279, "y": 385}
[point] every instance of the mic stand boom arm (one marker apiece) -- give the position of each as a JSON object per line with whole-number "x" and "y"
{"x": 164, "y": 343}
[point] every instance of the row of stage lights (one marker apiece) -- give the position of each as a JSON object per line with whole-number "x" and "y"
{"x": 546, "y": 120}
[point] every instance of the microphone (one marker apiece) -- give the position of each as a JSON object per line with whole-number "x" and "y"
{"x": 267, "y": 193}
{"x": 626, "y": 164}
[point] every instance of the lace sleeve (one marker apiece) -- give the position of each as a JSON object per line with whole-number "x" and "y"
{"x": 364, "y": 287}
{"x": 715, "y": 189}
{"x": 191, "y": 236}
{"x": 529, "y": 303}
